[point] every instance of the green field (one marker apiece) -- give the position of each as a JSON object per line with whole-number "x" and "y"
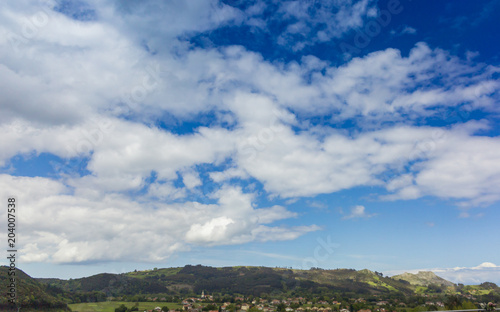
{"x": 109, "y": 306}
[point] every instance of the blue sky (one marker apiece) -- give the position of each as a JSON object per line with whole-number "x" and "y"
{"x": 334, "y": 134}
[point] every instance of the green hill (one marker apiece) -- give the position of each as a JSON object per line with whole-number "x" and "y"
{"x": 92, "y": 288}
{"x": 255, "y": 281}
{"x": 424, "y": 278}
{"x": 31, "y": 294}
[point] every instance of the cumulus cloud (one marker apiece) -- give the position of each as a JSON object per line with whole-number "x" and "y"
{"x": 458, "y": 165}
{"x": 113, "y": 227}
{"x": 98, "y": 92}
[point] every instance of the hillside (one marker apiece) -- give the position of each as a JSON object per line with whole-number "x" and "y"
{"x": 423, "y": 278}
{"x": 225, "y": 283}
{"x": 255, "y": 281}
{"x": 31, "y": 294}
{"x": 96, "y": 287}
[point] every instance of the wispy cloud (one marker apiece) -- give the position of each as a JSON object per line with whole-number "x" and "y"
{"x": 468, "y": 214}
{"x": 409, "y": 30}
{"x": 273, "y": 255}
{"x": 406, "y": 30}
{"x": 358, "y": 212}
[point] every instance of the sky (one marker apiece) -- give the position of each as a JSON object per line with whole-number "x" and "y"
{"x": 334, "y": 134}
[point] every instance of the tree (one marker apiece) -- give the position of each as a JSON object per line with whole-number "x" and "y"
{"x": 165, "y": 309}
{"x": 281, "y": 307}
{"x": 208, "y": 307}
{"x": 121, "y": 308}
{"x": 453, "y": 302}
{"x": 467, "y": 305}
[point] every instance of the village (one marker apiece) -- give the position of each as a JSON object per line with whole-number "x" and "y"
{"x": 205, "y": 303}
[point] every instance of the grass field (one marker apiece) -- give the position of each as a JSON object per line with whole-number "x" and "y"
{"x": 109, "y": 306}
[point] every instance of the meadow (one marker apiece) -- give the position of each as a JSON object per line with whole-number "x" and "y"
{"x": 109, "y": 306}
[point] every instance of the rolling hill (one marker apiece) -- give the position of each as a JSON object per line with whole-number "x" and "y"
{"x": 31, "y": 294}
{"x": 236, "y": 280}
{"x": 424, "y": 278}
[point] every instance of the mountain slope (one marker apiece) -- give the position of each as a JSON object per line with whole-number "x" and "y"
{"x": 423, "y": 278}
{"x": 31, "y": 295}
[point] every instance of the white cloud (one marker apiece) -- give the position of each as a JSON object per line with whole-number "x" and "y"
{"x": 79, "y": 229}
{"x": 94, "y": 91}
{"x": 358, "y": 212}
{"x": 458, "y": 166}
{"x": 321, "y": 21}
{"x": 213, "y": 230}
{"x": 405, "y": 30}
{"x": 409, "y": 30}
{"x": 191, "y": 179}
{"x": 165, "y": 191}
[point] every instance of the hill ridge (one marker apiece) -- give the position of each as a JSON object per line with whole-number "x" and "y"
{"x": 423, "y": 278}
{"x": 251, "y": 280}
{"x": 30, "y": 293}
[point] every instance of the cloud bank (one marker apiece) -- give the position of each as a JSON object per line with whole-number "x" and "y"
{"x": 156, "y": 141}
